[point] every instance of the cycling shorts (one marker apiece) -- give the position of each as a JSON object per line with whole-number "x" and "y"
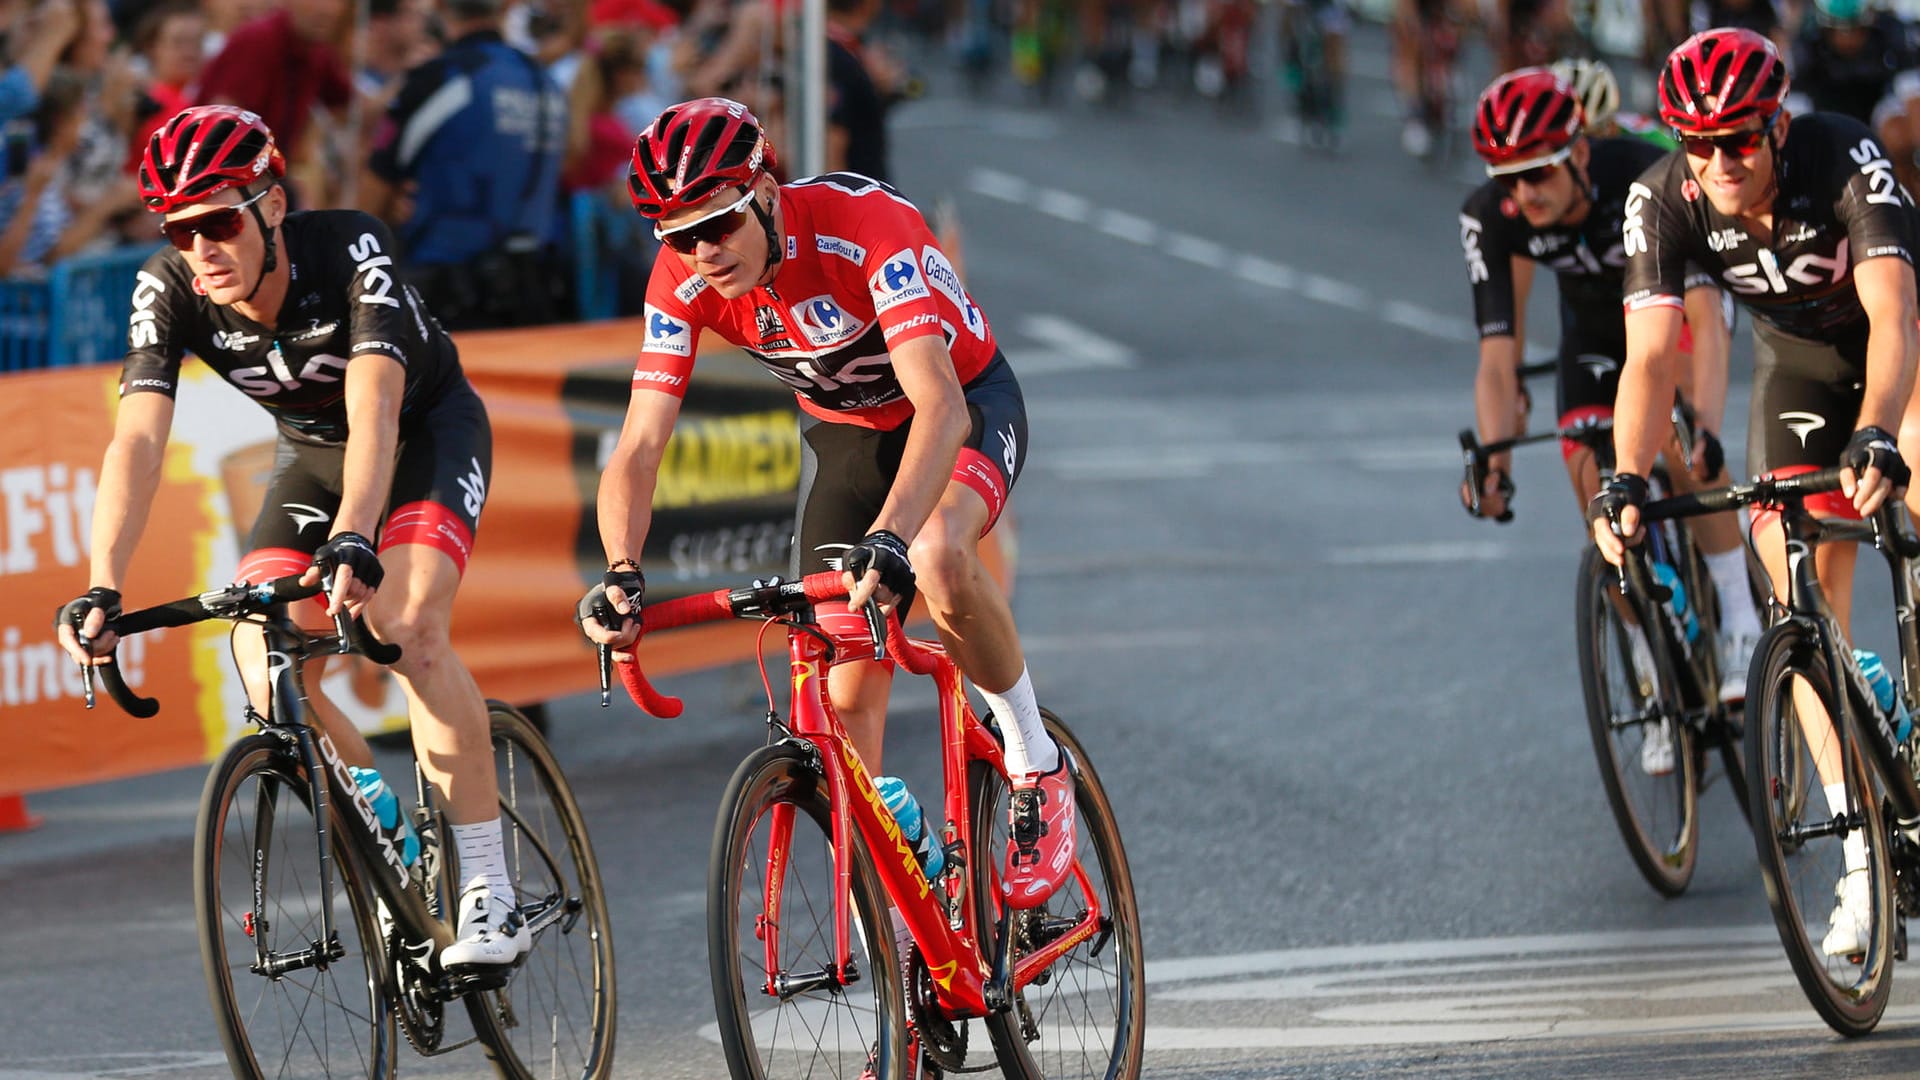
{"x": 846, "y": 471}
{"x": 440, "y": 480}
{"x": 1806, "y": 398}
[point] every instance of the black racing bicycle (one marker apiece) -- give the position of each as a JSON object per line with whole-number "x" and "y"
{"x": 317, "y": 936}
{"x": 1649, "y": 668}
{"x": 1804, "y": 660}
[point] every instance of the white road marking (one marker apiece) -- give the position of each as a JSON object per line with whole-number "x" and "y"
{"x": 1191, "y": 459}
{"x": 1127, "y": 227}
{"x": 1068, "y": 346}
{"x": 1541, "y": 987}
{"x": 100, "y": 1067}
{"x": 1444, "y": 551}
{"x": 1248, "y": 267}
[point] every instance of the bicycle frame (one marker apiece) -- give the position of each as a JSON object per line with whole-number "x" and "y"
{"x": 947, "y": 932}
{"x": 1807, "y": 605}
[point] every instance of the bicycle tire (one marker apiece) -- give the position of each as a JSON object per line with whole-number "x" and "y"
{"x": 255, "y": 813}
{"x": 849, "y": 1032}
{"x": 1658, "y": 817}
{"x": 554, "y": 1019}
{"x": 1057, "y": 1047}
{"x": 1800, "y": 871}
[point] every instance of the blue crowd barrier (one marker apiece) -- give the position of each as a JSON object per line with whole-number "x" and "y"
{"x": 77, "y": 314}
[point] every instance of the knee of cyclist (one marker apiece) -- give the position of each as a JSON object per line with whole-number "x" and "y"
{"x": 420, "y": 635}
{"x": 941, "y": 566}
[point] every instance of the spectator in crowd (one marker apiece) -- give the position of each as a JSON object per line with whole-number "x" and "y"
{"x": 226, "y": 16}
{"x": 169, "y": 38}
{"x": 44, "y": 222}
{"x": 279, "y": 66}
{"x": 1858, "y": 61}
{"x": 599, "y": 142}
{"x": 37, "y": 39}
{"x": 863, "y": 82}
{"x": 723, "y": 45}
{"x": 467, "y": 168}
{"x": 398, "y": 37}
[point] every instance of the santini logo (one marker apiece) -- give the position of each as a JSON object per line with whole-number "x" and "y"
{"x": 1803, "y": 424}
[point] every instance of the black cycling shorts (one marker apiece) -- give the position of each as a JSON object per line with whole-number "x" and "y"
{"x": 442, "y": 469}
{"x": 846, "y": 471}
{"x": 1806, "y": 398}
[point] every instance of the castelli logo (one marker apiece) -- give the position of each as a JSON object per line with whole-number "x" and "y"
{"x": 1690, "y": 191}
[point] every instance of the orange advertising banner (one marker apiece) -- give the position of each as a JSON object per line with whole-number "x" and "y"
{"x": 723, "y": 514}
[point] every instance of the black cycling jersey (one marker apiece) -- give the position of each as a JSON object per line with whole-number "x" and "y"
{"x": 1838, "y": 204}
{"x": 1589, "y": 258}
{"x": 343, "y": 301}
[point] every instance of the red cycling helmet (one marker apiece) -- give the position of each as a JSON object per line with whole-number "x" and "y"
{"x": 691, "y": 151}
{"x": 1523, "y": 117}
{"x": 1721, "y": 78}
{"x": 203, "y": 150}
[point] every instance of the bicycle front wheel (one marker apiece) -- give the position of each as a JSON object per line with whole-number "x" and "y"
{"x": 292, "y": 1000}
{"x": 1085, "y": 1015}
{"x": 1803, "y": 842}
{"x": 1646, "y": 758}
{"x": 555, "y": 1017}
{"x": 784, "y": 1009}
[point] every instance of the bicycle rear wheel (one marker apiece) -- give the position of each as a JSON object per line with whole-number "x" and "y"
{"x": 555, "y": 1017}
{"x": 315, "y": 1008}
{"x": 770, "y": 885}
{"x": 1657, "y": 813}
{"x": 1802, "y": 842}
{"x": 1085, "y": 1016}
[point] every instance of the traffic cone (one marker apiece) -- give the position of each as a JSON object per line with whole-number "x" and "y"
{"x": 14, "y": 816}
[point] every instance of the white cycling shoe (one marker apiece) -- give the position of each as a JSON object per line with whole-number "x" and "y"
{"x": 489, "y": 930}
{"x": 1656, "y": 753}
{"x": 1736, "y": 656}
{"x": 1851, "y": 926}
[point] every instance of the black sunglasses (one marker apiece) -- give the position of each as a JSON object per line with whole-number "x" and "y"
{"x": 1536, "y": 176}
{"x": 1739, "y": 144}
{"x": 712, "y": 229}
{"x": 218, "y": 226}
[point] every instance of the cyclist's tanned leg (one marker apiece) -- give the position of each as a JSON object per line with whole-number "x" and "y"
{"x": 968, "y": 607}
{"x": 414, "y": 610}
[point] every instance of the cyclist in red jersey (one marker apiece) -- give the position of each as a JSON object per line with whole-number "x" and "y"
{"x": 914, "y": 432}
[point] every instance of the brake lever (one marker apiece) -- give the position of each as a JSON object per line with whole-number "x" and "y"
{"x": 876, "y": 626}
{"x": 606, "y": 675}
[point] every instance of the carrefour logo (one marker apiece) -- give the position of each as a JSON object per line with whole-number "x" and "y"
{"x": 942, "y": 276}
{"x": 897, "y": 281}
{"x": 666, "y": 334}
{"x": 824, "y": 322}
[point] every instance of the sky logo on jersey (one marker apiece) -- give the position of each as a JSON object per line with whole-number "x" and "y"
{"x": 846, "y": 249}
{"x": 666, "y": 334}
{"x": 897, "y": 281}
{"x": 823, "y": 322}
{"x": 943, "y": 277}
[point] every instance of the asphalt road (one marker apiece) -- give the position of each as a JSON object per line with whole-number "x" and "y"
{"x": 1339, "y": 720}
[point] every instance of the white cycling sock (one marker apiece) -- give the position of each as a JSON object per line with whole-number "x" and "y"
{"x": 1855, "y": 845}
{"x": 1729, "y": 572}
{"x": 1030, "y": 749}
{"x": 482, "y": 853}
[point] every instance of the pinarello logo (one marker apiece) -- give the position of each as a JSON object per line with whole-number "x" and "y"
{"x": 1690, "y": 191}
{"x": 1509, "y": 208}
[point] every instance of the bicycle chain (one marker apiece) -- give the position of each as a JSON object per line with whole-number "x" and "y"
{"x": 943, "y": 1044}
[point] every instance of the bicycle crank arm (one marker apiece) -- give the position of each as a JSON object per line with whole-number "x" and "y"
{"x": 537, "y": 917}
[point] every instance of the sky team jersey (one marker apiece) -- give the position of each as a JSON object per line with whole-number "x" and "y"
{"x": 1838, "y": 205}
{"x": 861, "y": 274}
{"x": 1588, "y": 258}
{"x": 343, "y": 302}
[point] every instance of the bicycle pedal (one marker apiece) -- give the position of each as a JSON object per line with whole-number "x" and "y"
{"x": 479, "y": 978}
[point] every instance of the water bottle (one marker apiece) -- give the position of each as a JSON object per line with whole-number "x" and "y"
{"x": 913, "y": 824}
{"x": 386, "y": 808}
{"x": 1677, "y": 603}
{"x": 1884, "y": 692}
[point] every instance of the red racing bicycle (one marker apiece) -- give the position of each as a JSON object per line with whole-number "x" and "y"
{"x": 808, "y": 979}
